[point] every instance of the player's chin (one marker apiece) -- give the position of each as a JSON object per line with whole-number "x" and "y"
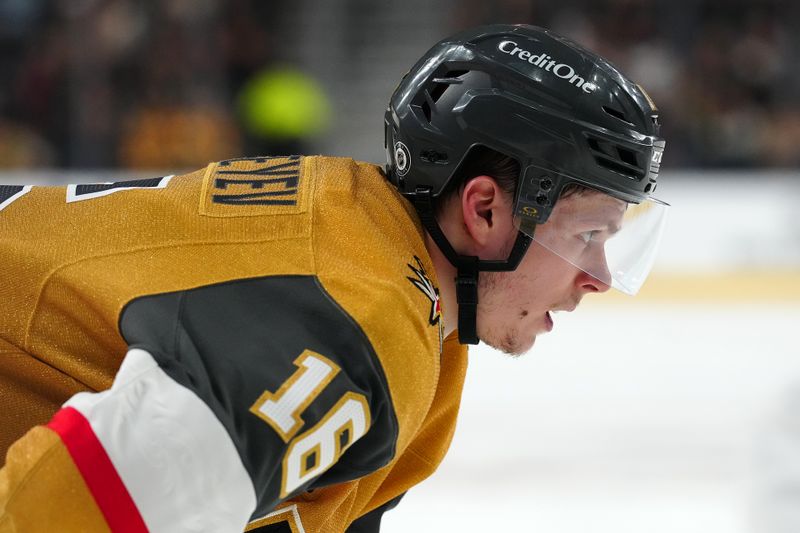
{"x": 512, "y": 344}
{"x": 525, "y": 347}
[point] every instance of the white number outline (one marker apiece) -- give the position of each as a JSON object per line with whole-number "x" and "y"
{"x": 354, "y": 410}
{"x": 317, "y": 449}
{"x": 315, "y": 372}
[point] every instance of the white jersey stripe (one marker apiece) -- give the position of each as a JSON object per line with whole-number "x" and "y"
{"x": 174, "y": 456}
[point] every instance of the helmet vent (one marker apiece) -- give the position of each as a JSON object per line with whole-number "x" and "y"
{"x": 438, "y": 88}
{"x": 616, "y": 113}
{"x": 443, "y": 82}
{"x": 426, "y": 108}
{"x": 615, "y": 158}
{"x": 438, "y": 91}
{"x": 627, "y": 156}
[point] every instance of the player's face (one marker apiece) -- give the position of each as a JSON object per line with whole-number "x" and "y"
{"x": 516, "y": 306}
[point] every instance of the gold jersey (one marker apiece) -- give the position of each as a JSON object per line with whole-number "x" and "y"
{"x": 291, "y": 300}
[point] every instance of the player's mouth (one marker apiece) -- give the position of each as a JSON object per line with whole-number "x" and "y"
{"x": 548, "y": 316}
{"x": 548, "y": 321}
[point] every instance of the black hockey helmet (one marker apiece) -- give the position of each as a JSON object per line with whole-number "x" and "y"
{"x": 564, "y": 113}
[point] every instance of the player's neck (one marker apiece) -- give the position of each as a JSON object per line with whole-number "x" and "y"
{"x": 446, "y": 276}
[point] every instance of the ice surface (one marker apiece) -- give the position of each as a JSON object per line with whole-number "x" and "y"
{"x": 631, "y": 417}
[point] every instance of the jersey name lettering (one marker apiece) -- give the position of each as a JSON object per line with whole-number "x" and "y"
{"x": 272, "y": 181}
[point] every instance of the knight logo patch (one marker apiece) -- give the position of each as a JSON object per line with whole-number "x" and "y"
{"x": 424, "y": 284}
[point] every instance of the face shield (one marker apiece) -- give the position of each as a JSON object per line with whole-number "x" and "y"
{"x": 611, "y": 240}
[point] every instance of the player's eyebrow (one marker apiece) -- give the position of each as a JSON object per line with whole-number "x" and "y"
{"x": 610, "y": 227}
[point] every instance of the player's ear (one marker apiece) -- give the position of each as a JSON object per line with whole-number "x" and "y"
{"x": 487, "y": 217}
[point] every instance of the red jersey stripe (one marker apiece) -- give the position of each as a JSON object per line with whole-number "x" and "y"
{"x": 98, "y": 471}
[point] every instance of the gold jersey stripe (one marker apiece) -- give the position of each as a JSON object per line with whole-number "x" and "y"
{"x": 742, "y": 286}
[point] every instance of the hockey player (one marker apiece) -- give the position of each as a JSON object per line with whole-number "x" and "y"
{"x": 278, "y": 343}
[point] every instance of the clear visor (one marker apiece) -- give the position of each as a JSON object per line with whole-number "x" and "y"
{"x": 609, "y": 239}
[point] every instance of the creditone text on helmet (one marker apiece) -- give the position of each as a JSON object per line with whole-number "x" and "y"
{"x": 562, "y": 70}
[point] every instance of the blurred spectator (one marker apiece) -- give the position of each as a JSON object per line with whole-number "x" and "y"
{"x": 93, "y": 78}
{"x": 722, "y": 72}
{"x": 171, "y": 137}
{"x": 20, "y": 147}
{"x": 282, "y": 109}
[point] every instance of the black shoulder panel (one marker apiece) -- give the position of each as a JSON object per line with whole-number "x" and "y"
{"x": 231, "y": 342}
{"x": 371, "y": 522}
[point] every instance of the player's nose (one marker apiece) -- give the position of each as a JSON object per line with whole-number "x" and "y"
{"x": 594, "y": 283}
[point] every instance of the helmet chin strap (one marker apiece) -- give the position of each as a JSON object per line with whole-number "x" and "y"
{"x": 468, "y": 266}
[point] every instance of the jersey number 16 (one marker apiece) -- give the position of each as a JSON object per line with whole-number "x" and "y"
{"x": 311, "y": 453}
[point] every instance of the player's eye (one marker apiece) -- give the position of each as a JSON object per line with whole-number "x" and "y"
{"x": 587, "y": 236}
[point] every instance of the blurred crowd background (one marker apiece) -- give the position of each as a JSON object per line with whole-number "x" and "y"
{"x": 177, "y": 83}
